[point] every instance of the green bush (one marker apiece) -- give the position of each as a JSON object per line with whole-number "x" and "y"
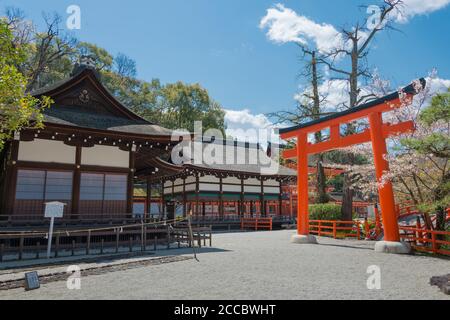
{"x": 327, "y": 211}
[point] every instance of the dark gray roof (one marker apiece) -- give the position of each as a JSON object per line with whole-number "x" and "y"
{"x": 247, "y": 161}
{"x": 85, "y": 117}
{"x": 64, "y": 115}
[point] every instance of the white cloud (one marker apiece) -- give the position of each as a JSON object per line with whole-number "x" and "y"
{"x": 335, "y": 91}
{"x": 245, "y": 119}
{"x": 285, "y": 25}
{"x": 411, "y": 8}
{"x": 245, "y": 126}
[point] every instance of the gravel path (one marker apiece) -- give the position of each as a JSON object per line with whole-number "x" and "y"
{"x": 263, "y": 265}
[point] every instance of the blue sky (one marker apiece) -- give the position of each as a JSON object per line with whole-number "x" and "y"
{"x": 219, "y": 44}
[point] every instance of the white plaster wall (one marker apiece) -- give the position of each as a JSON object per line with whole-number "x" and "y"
{"x": 209, "y": 187}
{"x": 178, "y": 189}
{"x": 168, "y": 184}
{"x": 232, "y": 180}
{"x": 190, "y": 187}
{"x": 105, "y": 156}
{"x": 41, "y": 150}
{"x": 210, "y": 179}
{"x": 272, "y": 183}
{"x": 231, "y": 188}
{"x": 252, "y": 181}
{"x": 273, "y": 190}
{"x": 252, "y": 189}
{"x": 179, "y": 181}
{"x": 191, "y": 179}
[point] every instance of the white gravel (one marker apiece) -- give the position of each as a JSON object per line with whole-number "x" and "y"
{"x": 263, "y": 265}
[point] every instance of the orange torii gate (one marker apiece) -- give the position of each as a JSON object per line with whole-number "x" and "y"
{"x": 377, "y": 134}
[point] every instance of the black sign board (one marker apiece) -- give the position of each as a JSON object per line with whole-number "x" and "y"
{"x": 32, "y": 281}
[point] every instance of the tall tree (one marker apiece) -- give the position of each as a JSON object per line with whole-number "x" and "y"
{"x": 309, "y": 107}
{"x": 17, "y": 109}
{"x": 355, "y": 49}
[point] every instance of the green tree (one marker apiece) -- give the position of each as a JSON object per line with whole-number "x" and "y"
{"x": 17, "y": 109}
{"x": 437, "y": 147}
{"x": 182, "y": 104}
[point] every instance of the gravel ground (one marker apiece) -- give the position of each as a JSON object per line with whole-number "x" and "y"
{"x": 263, "y": 265}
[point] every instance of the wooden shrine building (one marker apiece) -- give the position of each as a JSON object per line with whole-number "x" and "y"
{"x": 87, "y": 156}
{"x": 222, "y": 191}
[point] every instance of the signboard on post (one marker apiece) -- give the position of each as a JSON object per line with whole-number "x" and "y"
{"x": 53, "y": 210}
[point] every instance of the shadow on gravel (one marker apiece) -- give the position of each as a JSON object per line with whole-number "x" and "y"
{"x": 346, "y": 246}
{"x": 104, "y": 259}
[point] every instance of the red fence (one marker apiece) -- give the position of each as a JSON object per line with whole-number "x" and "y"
{"x": 256, "y": 224}
{"x": 437, "y": 242}
{"x": 335, "y": 229}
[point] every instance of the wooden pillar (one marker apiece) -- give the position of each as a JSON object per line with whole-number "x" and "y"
{"x": 221, "y": 211}
{"x": 291, "y": 202}
{"x": 76, "y": 184}
{"x": 11, "y": 178}
{"x": 148, "y": 206}
{"x": 302, "y": 185}
{"x": 280, "y": 200}
{"x": 184, "y": 198}
{"x": 262, "y": 200}
{"x": 162, "y": 200}
{"x": 197, "y": 194}
{"x": 130, "y": 193}
{"x": 241, "y": 202}
{"x": 387, "y": 202}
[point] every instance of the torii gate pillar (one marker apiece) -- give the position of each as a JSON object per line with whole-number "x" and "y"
{"x": 303, "y": 235}
{"x": 391, "y": 243}
{"x": 377, "y": 135}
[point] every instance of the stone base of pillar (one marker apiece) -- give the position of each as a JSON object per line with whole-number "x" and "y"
{"x": 392, "y": 247}
{"x": 301, "y": 239}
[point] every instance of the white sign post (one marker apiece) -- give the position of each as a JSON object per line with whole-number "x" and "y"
{"x": 53, "y": 210}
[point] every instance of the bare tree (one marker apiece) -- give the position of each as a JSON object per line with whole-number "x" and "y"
{"x": 309, "y": 107}
{"x": 356, "y": 47}
{"x": 47, "y": 47}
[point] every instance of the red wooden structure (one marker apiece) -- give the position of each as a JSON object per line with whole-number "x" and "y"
{"x": 376, "y": 133}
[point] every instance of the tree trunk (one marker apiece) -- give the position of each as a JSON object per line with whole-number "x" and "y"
{"x": 321, "y": 182}
{"x": 347, "y": 200}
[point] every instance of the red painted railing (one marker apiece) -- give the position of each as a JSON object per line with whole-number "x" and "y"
{"x": 335, "y": 228}
{"x": 256, "y": 224}
{"x": 432, "y": 241}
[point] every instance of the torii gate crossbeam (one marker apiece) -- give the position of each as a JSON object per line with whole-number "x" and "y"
{"x": 377, "y": 133}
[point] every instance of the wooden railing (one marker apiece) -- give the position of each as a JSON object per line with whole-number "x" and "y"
{"x": 256, "y": 224}
{"x": 432, "y": 241}
{"x": 335, "y": 229}
{"x": 99, "y": 241}
{"x": 17, "y": 220}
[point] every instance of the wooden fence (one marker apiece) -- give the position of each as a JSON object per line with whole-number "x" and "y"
{"x": 112, "y": 240}
{"x": 335, "y": 229}
{"x": 432, "y": 241}
{"x": 257, "y": 224}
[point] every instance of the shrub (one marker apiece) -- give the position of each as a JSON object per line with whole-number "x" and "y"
{"x": 327, "y": 211}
